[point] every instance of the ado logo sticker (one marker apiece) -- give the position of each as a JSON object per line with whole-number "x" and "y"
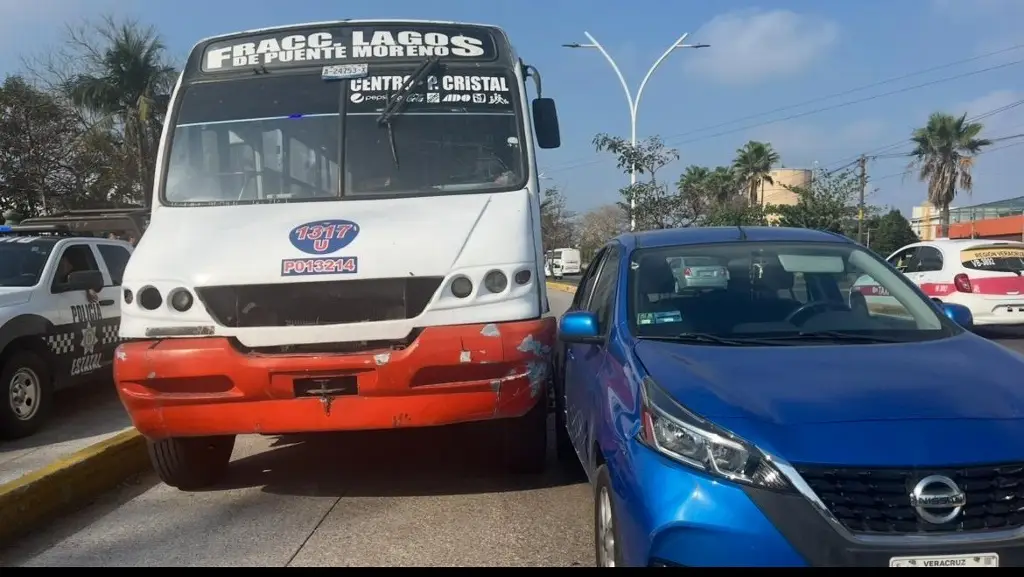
{"x": 323, "y": 237}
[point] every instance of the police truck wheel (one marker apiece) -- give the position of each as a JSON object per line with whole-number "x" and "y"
{"x": 28, "y": 393}
{"x": 190, "y": 463}
{"x": 525, "y": 440}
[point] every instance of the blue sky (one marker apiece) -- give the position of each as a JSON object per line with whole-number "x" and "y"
{"x": 763, "y": 56}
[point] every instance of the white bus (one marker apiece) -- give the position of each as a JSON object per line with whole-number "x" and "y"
{"x": 345, "y": 235}
{"x": 569, "y": 259}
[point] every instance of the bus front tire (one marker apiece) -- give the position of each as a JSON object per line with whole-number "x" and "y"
{"x": 191, "y": 463}
{"x": 525, "y": 440}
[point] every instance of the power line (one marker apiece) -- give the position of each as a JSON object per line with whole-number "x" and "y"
{"x": 579, "y": 164}
{"x": 879, "y": 151}
{"x": 983, "y": 152}
{"x": 848, "y": 92}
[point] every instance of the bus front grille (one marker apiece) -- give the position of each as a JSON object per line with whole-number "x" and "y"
{"x": 318, "y": 303}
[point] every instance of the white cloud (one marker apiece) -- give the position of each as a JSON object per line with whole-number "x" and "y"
{"x": 749, "y": 46}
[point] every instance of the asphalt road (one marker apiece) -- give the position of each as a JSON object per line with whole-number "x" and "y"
{"x": 417, "y": 497}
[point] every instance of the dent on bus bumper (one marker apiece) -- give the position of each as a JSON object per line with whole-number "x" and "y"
{"x": 449, "y": 374}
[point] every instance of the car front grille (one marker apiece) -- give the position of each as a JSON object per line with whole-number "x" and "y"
{"x": 878, "y": 500}
{"x": 319, "y": 303}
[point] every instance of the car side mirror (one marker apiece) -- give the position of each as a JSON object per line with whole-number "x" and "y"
{"x": 84, "y": 280}
{"x": 959, "y": 314}
{"x": 579, "y": 327}
{"x": 545, "y": 123}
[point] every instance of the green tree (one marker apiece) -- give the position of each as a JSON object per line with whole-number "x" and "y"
{"x": 752, "y": 167}
{"x": 37, "y": 149}
{"x": 700, "y": 189}
{"x": 737, "y": 212}
{"x": 828, "y": 203}
{"x": 127, "y": 86}
{"x": 655, "y": 206}
{"x": 891, "y": 232}
{"x": 944, "y": 153}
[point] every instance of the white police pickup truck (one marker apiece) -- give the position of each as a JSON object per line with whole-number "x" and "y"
{"x": 59, "y": 317}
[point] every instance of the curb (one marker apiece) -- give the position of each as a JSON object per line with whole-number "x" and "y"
{"x": 558, "y": 286}
{"x": 68, "y": 483}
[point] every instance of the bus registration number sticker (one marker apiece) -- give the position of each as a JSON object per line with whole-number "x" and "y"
{"x": 311, "y": 266}
{"x": 976, "y": 560}
{"x": 344, "y": 71}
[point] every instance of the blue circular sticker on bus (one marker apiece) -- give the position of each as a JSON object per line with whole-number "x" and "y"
{"x": 323, "y": 236}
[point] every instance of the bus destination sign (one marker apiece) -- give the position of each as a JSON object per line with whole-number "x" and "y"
{"x": 316, "y": 47}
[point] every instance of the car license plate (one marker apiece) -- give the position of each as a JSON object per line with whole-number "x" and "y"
{"x": 707, "y": 273}
{"x": 977, "y": 560}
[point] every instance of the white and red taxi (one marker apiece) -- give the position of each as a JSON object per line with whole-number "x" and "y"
{"x": 983, "y": 275}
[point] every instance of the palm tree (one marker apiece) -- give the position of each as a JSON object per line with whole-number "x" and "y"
{"x": 944, "y": 151}
{"x": 130, "y": 90}
{"x": 752, "y": 167}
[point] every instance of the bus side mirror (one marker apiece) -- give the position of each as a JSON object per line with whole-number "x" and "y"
{"x": 545, "y": 123}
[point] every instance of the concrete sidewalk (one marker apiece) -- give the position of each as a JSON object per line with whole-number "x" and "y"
{"x": 87, "y": 448}
{"x": 82, "y": 416}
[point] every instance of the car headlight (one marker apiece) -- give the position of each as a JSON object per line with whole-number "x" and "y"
{"x": 680, "y": 435}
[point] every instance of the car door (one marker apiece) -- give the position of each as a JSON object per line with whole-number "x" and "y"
{"x": 587, "y": 359}
{"x": 114, "y": 258}
{"x": 928, "y": 273}
{"x": 570, "y": 352}
{"x": 78, "y": 328}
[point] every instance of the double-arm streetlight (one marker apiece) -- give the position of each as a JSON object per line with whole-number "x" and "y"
{"x": 634, "y": 102}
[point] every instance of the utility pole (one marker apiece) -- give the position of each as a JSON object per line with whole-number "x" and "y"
{"x": 863, "y": 164}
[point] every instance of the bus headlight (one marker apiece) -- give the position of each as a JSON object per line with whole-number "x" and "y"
{"x": 181, "y": 300}
{"x": 462, "y": 287}
{"x": 496, "y": 281}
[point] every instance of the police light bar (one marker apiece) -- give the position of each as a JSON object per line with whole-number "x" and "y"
{"x": 28, "y": 230}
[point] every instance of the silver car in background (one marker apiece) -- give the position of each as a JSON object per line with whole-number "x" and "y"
{"x": 699, "y": 273}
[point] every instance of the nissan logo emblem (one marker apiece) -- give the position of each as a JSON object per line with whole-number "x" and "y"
{"x": 937, "y": 499}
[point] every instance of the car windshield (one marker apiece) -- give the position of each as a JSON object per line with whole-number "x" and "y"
{"x": 22, "y": 260}
{"x": 995, "y": 258}
{"x": 777, "y": 290}
{"x": 279, "y": 139}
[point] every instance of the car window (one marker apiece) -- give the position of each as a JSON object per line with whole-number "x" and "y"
{"x": 776, "y": 289}
{"x": 22, "y": 260}
{"x": 586, "y": 285}
{"x": 905, "y": 260}
{"x": 116, "y": 258}
{"x": 604, "y": 290}
{"x": 75, "y": 258}
{"x": 994, "y": 258}
{"x": 928, "y": 259}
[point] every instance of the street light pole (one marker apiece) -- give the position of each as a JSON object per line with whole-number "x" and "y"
{"x": 633, "y": 102}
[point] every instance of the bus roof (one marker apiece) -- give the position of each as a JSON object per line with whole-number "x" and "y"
{"x": 324, "y": 23}
{"x": 378, "y": 42}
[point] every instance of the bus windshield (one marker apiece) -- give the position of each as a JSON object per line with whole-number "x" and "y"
{"x": 297, "y": 137}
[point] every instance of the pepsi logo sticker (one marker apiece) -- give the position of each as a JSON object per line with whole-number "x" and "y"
{"x": 323, "y": 237}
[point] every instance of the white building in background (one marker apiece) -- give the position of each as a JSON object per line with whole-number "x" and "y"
{"x": 777, "y": 193}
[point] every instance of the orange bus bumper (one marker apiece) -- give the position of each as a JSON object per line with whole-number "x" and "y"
{"x": 451, "y": 374}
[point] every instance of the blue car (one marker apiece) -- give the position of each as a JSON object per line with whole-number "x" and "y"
{"x": 784, "y": 419}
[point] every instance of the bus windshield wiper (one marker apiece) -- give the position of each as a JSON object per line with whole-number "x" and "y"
{"x": 400, "y": 99}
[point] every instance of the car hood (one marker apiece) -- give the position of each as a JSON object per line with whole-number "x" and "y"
{"x": 963, "y": 377}
{"x": 11, "y": 296}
